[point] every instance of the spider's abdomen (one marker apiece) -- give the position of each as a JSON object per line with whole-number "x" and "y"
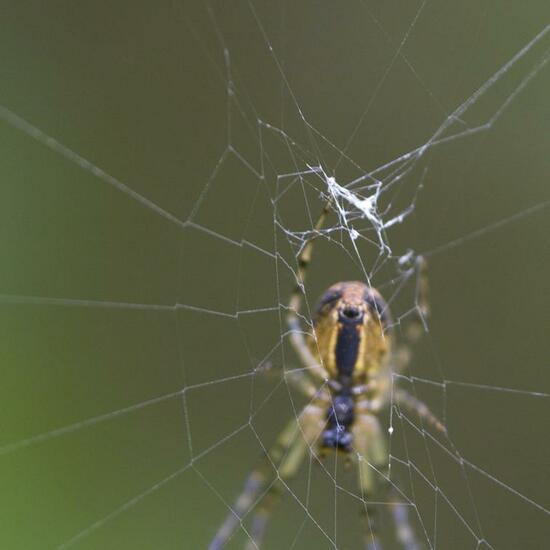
{"x": 351, "y": 338}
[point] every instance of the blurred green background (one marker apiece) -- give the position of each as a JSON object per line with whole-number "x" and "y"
{"x": 91, "y": 274}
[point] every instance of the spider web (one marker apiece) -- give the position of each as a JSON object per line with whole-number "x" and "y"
{"x": 159, "y": 188}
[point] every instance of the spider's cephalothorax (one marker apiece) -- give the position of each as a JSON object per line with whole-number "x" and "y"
{"x": 351, "y": 341}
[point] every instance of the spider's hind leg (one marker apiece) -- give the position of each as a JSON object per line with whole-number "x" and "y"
{"x": 413, "y": 331}
{"x": 296, "y": 333}
{"x": 414, "y": 328}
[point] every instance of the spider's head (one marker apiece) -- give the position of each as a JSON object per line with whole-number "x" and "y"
{"x": 351, "y": 324}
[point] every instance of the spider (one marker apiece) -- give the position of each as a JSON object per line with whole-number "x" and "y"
{"x": 351, "y": 356}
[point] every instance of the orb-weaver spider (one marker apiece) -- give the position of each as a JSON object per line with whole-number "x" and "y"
{"x": 350, "y": 354}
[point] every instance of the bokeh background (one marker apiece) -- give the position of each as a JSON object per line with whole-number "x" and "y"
{"x": 114, "y": 119}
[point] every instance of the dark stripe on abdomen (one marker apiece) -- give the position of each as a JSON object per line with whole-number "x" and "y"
{"x": 347, "y": 348}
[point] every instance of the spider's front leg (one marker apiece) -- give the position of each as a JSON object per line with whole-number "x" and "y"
{"x": 412, "y": 404}
{"x": 372, "y": 465}
{"x": 307, "y": 430}
{"x": 286, "y": 457}
{"x": 372, "y": 459}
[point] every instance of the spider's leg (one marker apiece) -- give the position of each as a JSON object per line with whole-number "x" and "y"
{"x": 303, "y": 260}
{"x": 372, "y": 458}
{"x": 422, "y": 301}
{"x": 291, "y": 446}
{"x": 298, "y": 379}
{"x": 418, "y": 325}
{"x": 287, "y": 453}
{"x": 414, "y": 405}
{"x": 311, "y": 423}
{"x": 253, "y": 486}
{"x": 297, "y": 336}
{"x": 298, "y": 341}
{"x": 372, "y": 463}
{"x": 404, "y": 532}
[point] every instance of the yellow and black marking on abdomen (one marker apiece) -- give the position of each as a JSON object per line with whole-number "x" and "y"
{"x": 340, "y": 415}
{"x": 348, "y": 341}
{"x": 351, "y": 344}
